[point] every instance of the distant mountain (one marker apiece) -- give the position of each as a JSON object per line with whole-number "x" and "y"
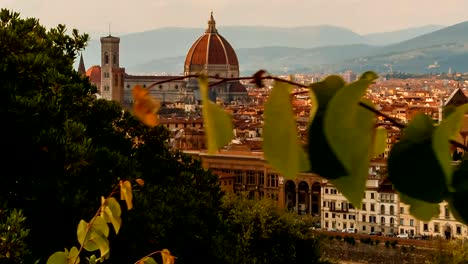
{"x": 288, "y": 50}
{"x": 392, "y": 37}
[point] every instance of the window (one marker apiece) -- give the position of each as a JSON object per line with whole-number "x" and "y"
{"x": 426, "y": 227}
{"x": 332, "y": 205}
{"x": 402, "y": 222}
{"x": 262, "y": 178}
{"x": 364, "y": 207}
{"x": 106, "y": 58}
{"x": 402, "y": 210}
{"x": 392, "y": 221}
{"x": 458, "y": 230}
{"x": 250, "y": 177}
{"x": 382, "y": 209}
{"x": 333, "y": 215}
{"x": 177, "y": 86}
{"x": 364, "y": 218}
{"x": 326, "y": 190}
{"x": 326, "y": 215}
{"x": 344, "y": 216}
{"x": 447, "y": 213}
{"x": 411, "y": 222}
{"x": 128, "y": 86}
{"x": 382, "y": 220}
{"x": 324, "y": 204}
{"x": 326, "y": 224}
{"x": 436, "y": 227}
{"x": 372, "y": 207}
{"x": 392, "y": 210}
{"x": 272, "y": 180}
{"x": 363, "y": 228}
{"x": 372, "y": 195}
{"x": 239, "y": 176}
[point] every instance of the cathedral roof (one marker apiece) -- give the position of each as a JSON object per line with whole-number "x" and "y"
{"x": 94, "y": 74}
{"x": 211, "y": 48}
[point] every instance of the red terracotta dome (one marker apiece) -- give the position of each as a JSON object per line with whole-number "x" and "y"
{"x": 211, "y": 48}
{"x": 94, "y": 75}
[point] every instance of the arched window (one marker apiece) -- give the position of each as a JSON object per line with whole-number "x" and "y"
{"x": 382, "y": 209}
{"x": 382, "y": 220}
{"x": 392, "y": 209}
{"x": 106, "y": 58}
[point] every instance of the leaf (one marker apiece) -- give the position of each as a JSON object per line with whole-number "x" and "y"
{"x": 167, "y": 257}
{"x": 323, "y": 160}
{"x": 140, "y": 182}
{"x": 257, "y": 78}
{"x": 460, "y": 196}
{"x": 73, "y": 256}
{"x": 421, "y": 210}
{"x": 380, "y": 141}
{"x": 412, "y": 165}
{"x": 96, "y": 237}
{"x": 218, "y": 123}
{"x": 313, "y": 105}
{"x": 126, "y": 193}
{"x": 281, "y": 145}
{"x": 145, "y": 106}
{"x": 111, "y": 212}
{"x": 348, "y": 129}
{"x": 369, "y": 76}
{"x": 447, "y": 130}
{"x": 58, "y": 258}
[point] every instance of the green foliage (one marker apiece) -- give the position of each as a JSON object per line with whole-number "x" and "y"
{"x": 281, "y": 144}
{"x": 218, "y": 124}
{"x": 13, "y": 235}
{"x": 380, "y": 141}
{"x": 263, "y": 233}
{"x": 421, "y": 209}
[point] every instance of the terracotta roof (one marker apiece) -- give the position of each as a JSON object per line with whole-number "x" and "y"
{"x": 94, "y": 74}
{"x": 211, "y": 48}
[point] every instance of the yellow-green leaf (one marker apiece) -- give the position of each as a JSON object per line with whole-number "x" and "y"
{"x": 281, "y": 145}
{"x": 111, "y": 212}
{"x": 96, "y": 237}
{"x": 447, "y": 130}
{"x": 380, "y": 141}
{"x": 348, "y": 129}
{"x": 126, "y": 193}
{"x": 218, "y": 123}
{"x": 423, "y": 211}
{"x": 73, "y": 256}
{"x": 147, "y": 260}
{"x": 58, "y": 258}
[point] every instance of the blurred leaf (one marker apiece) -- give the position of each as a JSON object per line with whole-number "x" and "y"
{"x": 369, "y": 76}
{"x": 380, "y": 141}
{"x": 145, "y": 106}
{"x": 323, "y": 160}
{"x": 313, "y": 105}
{"x": 126, "y": 193}
{"x": 281, "y": 145}
{"x": 257, "y": 78}
{"x": 73, "y": 256}
{"x": 167, "y": 257}
{"x": 423, "y": 211}
{"x": 348, "y": 129}
{"x": 111, "y": 212}
{"x": 96, "y": 237}
{"x": 147, "y": 260}
{"x": 460, "y": 184}
{"x": 447, "y": 130}
{"x": 140, "y": 182}
{"x": 412, "y": 162}
{"x": 58, "y": 258}
{"x": 218, "y": 123}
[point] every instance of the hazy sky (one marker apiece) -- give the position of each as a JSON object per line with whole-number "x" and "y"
{"x": 361, "y": 16}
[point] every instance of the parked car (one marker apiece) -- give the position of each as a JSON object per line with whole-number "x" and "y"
{"x": 376, "y": 233}
{"x": 404, "y": 235}
{"x": 391, "y": 235}
{"x": 349, "y": 230}
{"x": 332, "y": 230}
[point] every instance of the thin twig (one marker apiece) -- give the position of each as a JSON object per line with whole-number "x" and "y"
{"x": 147, "y": 256}
{"x": 392, "y": 120}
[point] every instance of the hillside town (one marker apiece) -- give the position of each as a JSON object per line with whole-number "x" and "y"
{"x": 241, "y": 166}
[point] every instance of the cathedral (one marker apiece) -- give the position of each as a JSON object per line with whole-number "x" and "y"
{"x": 211, "y": 54}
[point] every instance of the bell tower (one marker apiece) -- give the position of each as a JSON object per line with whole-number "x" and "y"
{"x": 111, "y": 74}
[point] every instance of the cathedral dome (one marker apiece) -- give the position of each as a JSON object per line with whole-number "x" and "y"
{"x": 211, "y": 49}
{"x": 94, "y": 74}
